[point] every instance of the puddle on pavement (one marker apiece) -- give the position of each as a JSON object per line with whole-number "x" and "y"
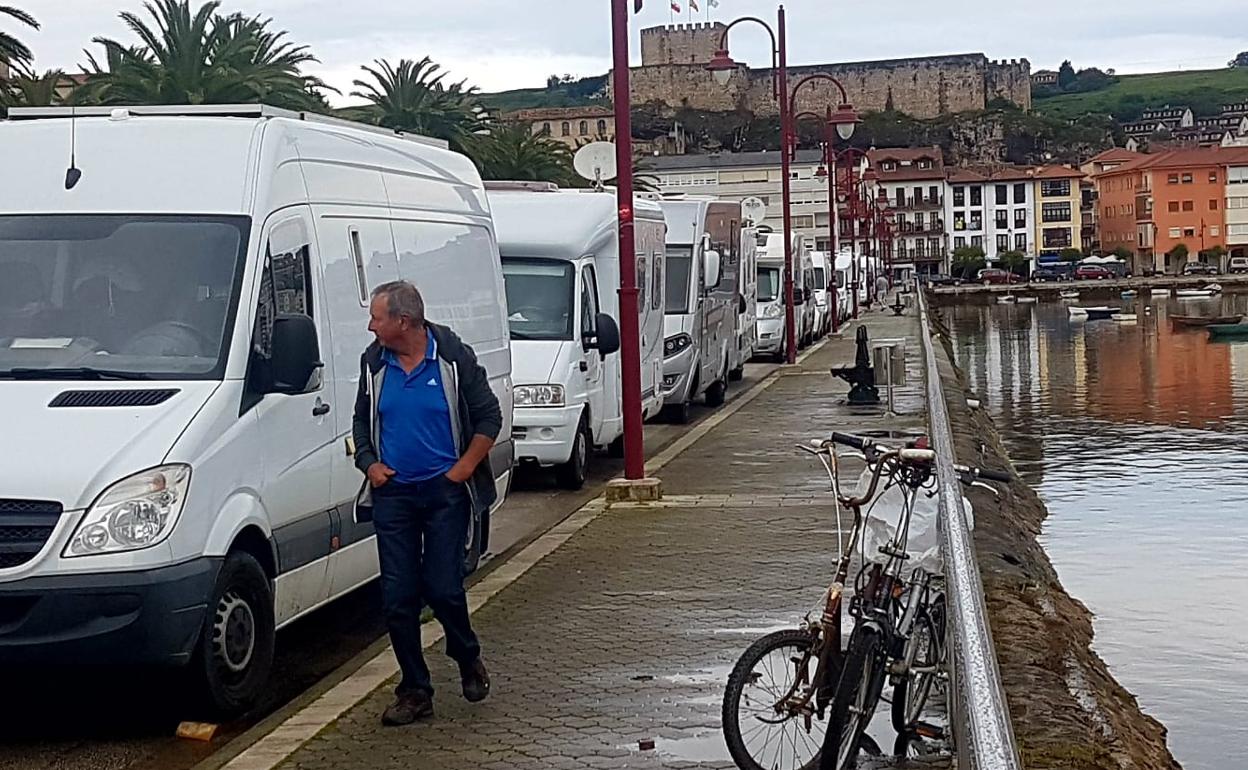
{"x": 714, "y": 675}
{"x": 703, "y": 747}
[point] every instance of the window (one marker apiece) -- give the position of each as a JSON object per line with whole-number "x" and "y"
{"x": 656, "y": 294}
{"x": 602, "y": 128}
{"x": 584, "y": 128}
{"x": 1189, "y": 205}
{"x": 959, "y": 196}
{"x": 1003, "y": 243}
{"x": 1173, "y": 207}
{"x": 977, "y": 221}
{"x": 977, "y": 196}
{"x": 1213, "y": 177}
{"x": 959, "y": 222}
{"x": 545, "y": 284}
{"x": 1189, "y": 232}
{"x": 1003, "y": 194}
{"x": 933, "y": 194}
{"x": 566, "y": 128}
{"x": 959, "y": 242}
{"x": 285, "y": 287}
{"x": 1213, "y": 204}
{"x": 888, "y": 165}
{"x": 1055, "y": 188}
{"x": 1187, "y": 179}
{"x": 977, "y": 241}
{"x": 1020, "y": 192}
{"x": 1020, "y": 218}
{"x": 1055, "y": 212}
{"x": 589, "y": 302}
{"x": 679, "y": 274}
{"x": 1020, "y": 242}
{"x": 1176, "y": 232}
{"x": 917, "y": 192}
{"x": 546, "y": 129}
{"x": 1238, "y": 175}
{"x": 361, "y": 278}
{"x": 1172, "y": 179}
{"x": 1003, "y": 219}
{"x": 924, "y": 163}
{"x": 1057, "y": 238}
{"x": 1214, "y": 231}
{"x": 1237, "y": 203}
{"x": 641, "y": 280}
{"x": 1237, "y": 230}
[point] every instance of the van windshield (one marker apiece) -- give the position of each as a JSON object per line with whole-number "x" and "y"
{"x": 539, "y": 298}
{"x": 118, "y": 296}
{"x": 768, "y": 284}
{"x": 821, "y": 279}
{"x": 679, "y": 271}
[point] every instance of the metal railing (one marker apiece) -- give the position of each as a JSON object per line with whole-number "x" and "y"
{"x": 982, "y": 731}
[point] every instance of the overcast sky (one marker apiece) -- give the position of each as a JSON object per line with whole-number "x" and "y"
{"x": 500, "y": 44}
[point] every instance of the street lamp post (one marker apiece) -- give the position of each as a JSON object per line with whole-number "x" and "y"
{"x": 722, "y": 67}
{"x": 630, "y": 333}
{"x": 851, "y": 204}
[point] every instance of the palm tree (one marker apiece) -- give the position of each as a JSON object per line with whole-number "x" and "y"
{"x": 412, "y": 97}
{"x": 513, "y": 151}
{"x": 32, "y": 90}
{"x": 201, "y": 57}
{"x": 12, "y": 50}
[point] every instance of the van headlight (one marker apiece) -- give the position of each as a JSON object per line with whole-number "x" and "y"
{"x": 773, "y": 311}
{"x": 537, "y": 395}
{"x": 137, "y": 512}
{"x": 676, "y": 344}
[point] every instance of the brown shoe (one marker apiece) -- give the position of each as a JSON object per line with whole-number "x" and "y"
{"x": 407, "y": 708}
{"x": 476, "y": 681}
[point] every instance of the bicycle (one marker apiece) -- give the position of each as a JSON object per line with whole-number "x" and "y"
{"x": 797, "y": 703}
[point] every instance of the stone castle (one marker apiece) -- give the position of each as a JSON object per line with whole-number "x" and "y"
{"x": 673, "y": 71}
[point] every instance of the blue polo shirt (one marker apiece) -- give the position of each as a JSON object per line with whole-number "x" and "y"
{"x": 415, "y": 421}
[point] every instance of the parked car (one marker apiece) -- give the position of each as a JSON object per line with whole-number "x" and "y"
{"x": 1200, "y": 268}
{"x": 1045, "y": 274}
{"x": 1092, "y": 272}
{"x": 1237, "y": 265}
{"x": 991, "y": 275}
{"x": 937, "y": 279}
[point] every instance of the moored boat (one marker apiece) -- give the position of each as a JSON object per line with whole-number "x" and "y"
{"x": 1227, "y": 330}
{"x": 1199, "y": 320}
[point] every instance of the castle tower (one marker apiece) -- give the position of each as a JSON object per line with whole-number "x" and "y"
{"x": 680, "y": 43}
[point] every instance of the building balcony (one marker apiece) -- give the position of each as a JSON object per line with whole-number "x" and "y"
{"x": 920, "y": 203}
{"x": 927, "y": 228}
{"x": 919, "y": 255}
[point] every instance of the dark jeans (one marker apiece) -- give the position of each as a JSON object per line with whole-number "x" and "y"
{"x": 422, "y": 529}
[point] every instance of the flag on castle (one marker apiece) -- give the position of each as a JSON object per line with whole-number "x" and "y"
{"x": 675, "y": 6}
{"x": 694, "y": 5}
{"x": 713, "y": 3}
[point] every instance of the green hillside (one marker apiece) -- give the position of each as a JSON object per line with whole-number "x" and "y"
{"x": 1205, "y": 91}
{"x": 572, "y": 92}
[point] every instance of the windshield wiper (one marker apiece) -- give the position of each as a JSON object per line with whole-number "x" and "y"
{"x": 71, "y": 373}
{"x": 515, "y": 335}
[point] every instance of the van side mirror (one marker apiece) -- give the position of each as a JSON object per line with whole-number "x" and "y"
{"x": 711, "y": 267}
{"x": 741, "y": 307}
{"x": 607, "y": 340}
{"x": 296, "y": 361}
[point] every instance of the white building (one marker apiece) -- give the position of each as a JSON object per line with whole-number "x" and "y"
{"x": 914, "y": 180}
{"x": 1237, "y": 210}
{"x": 992, "y": 209}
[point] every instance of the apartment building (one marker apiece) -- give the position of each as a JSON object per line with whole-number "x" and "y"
{"x": 993, "y": 209}
{"x": 1237, "y": 207}
{"x": 1059, "y": 210}
{"x": 572, "y": 126}
{"x": 914, "y": 181}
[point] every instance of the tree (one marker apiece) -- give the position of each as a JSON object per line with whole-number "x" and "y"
{"x": 1012, "y": 260}
{"x": 1070, "y": 254}
{"x": 1240, "y": 60}
{"x": 1178, "y": 253}
{"x": 1122, "y": 252}
{"x": 201, "y": 57}
{"x": 1066, "y": 75}
{"x": 1214, "y": 255}
{"x": 32, "y": 90}
{"x": 967, "y": 261}
{"x": 12, "y": 50}
{"x": 513, "y": 151}
{"x": 411, "y": 97}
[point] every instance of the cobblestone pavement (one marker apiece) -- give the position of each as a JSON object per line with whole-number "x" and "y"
{"x": 625, "y": 634}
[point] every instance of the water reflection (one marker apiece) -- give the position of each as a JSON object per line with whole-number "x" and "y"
{"x": 1134, "y": 435}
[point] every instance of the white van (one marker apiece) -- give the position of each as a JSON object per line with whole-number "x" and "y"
{"x": 844, "y": 277}
{"x": 745, "y": 320}
{"x": 700, "y": 304}
{"x": 821, "y": 291}
{"x": 180, "y": 342}
{"x": 561, "y": 264}
{"x": 770, "y": 298}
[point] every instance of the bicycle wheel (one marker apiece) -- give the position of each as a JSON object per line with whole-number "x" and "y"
{"x": 923, "y": 652}
{"x": 760, "y": 734}
{"x": 854, "y": 703}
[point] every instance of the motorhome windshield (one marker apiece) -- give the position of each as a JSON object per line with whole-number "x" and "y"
{"x": 821, "y": 279}
{"x": 679, "y": 271}
{"x": 118, "y": 296}
{"x": 768, "y": 284}
{"x": 539, "y": 298}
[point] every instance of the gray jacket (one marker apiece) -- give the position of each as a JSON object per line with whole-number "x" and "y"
{"x": 475, "y": 412}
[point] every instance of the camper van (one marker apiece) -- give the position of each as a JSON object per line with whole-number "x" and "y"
{"x": 770, "y": 302}
{"x": 823, "y": 291}
{"x": 703, "y": 238}
{"x": 844, "y": 278}
{"x": 745, "y": 320}
{"x": 561, "y": 265}
{"x": 182, "y": 315}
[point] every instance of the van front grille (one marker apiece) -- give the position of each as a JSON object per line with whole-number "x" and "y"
{"x": 25, "y": 526}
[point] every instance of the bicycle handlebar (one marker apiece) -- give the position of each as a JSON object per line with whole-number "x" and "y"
{"x": 991, "y": 475}
{"x": 850, "y": 440}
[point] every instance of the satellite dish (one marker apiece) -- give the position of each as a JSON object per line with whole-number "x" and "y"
{"x": 754, "y": 209}
{"x": 596, "y": 162}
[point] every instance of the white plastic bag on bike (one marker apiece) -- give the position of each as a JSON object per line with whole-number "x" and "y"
{"x": 923, "y": 543}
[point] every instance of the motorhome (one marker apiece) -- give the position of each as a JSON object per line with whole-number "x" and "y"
{"x": 771, "y": 299}
{"x": 745, "y": 326}
{"x": 182, "y": 315}
{"x": 823, "y": 292}
{"x": 561, "y": 264}
{"x": 702, "y": 236}
{"x": 844, "y": 279}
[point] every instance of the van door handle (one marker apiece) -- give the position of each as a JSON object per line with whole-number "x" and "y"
{"x": 321, "y": 409}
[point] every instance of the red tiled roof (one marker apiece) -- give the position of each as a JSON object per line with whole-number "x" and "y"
{"x": 1114, "y": 154}
{"x": 1057, "y": 172}
{"x": 966, "y": 175}
{"x": 1202, "y": 157}
{"x": 902, "y": 154}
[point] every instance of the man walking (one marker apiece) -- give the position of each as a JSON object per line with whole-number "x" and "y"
{"x": 425, "y": 419}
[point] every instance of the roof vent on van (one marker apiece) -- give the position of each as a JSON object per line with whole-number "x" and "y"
{"x": 100, "y": 398}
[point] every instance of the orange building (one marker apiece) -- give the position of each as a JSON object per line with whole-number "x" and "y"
{"x": 1154, "y": 203}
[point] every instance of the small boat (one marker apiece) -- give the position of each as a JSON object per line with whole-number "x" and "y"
{"x": 1128, "y": 293}
{"x": 1100, "y": 313}
{"x": 1125, "y": 318}
{"x": 1028, "y": 300}
{"x": 1006, "y": 299}
{"x": 1161, "y": 292}
{"x": 1194, "y": 293}
{"x": 1077, "y": 312}
{"x": 1227, "y": 330}
{"x": 1198, "y": 320}
{"x": 1069, "y": 295}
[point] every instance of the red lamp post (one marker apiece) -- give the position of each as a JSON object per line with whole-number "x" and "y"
{"x": 847, "y": 157}
{"x": 722, "y": 67}
{"x": 630, "y": 333}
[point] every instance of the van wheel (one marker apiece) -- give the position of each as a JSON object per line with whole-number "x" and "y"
{"x": 235, "y": 651}
{"x": 716, "y": 394}
{"x": 616, "y": 448}
{"x": 572, "y": 474}
{"x": 738, "y": 374}
{"x": 678, "y": 413}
